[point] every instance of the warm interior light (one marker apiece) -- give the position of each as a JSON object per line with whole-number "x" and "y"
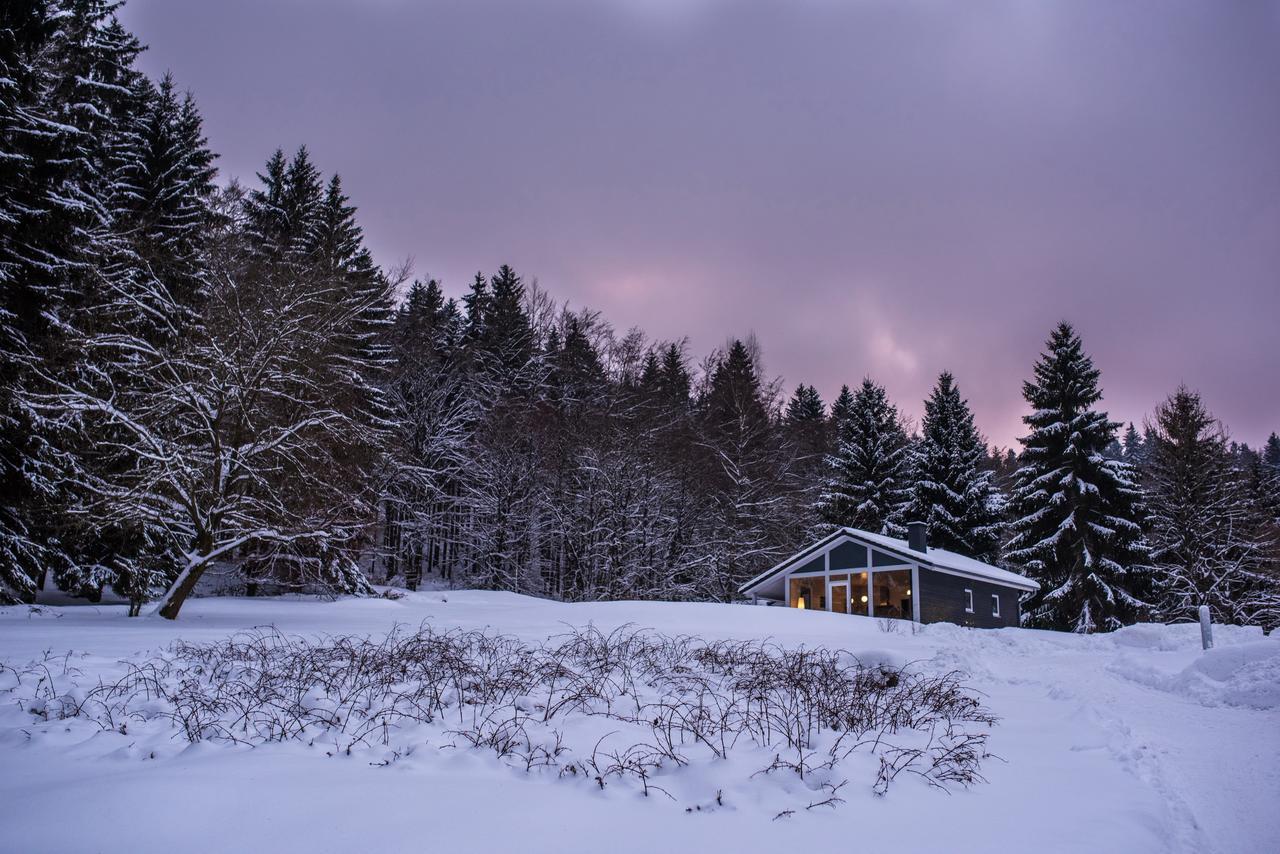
{"x": 800, "y": 603}
{"x": 908, "y": 591}
{"x": 864, "y": 598}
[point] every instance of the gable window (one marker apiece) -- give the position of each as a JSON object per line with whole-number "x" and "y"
{"x": 968, "y": 601}
{"x": 995, "y": 605}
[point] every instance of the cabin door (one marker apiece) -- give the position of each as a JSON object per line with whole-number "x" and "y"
{"x": 839, "y": 597}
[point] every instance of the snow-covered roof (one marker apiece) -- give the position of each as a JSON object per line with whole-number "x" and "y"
{"x": 941, "y": 559}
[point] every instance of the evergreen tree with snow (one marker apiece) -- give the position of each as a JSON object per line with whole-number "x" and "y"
{"x": 66, "y": 84}
{"x": 1133, "y": 447}
{"x": 742, "y": 474}
{"x": 1074, "y": 511}
{"x": 507, "y": 340}
{"x": 868, "y": 481}
{"x": 808, "y": 434}
{"x": 805, "y": 406}
{"x": 1271, "y": 453}
{"x": 806, "y": 422}
{"x": 148, "y": 291}
{"x": 841, "y": 413}
{"x": 1208, "y": 547}
{"x": 674, "y": 382}
{"x": 952, "y": 489}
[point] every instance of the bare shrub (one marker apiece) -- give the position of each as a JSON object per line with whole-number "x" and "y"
{"x": 676, "y": 698}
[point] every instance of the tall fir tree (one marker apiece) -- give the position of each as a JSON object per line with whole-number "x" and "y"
{"x": 66, "y": 85}
{"x": 951, "y": 489}
{"x": 1271, "y": 453}
{"x": 507, "y": 340}
{"x": 806, "y": 422}
{"x": 841, "y": 413}
{"x": 743, "y": 475}
{"x": 148, "y": 290}
{"x": 1208, "y": 545}
{"x": 1131, "y": 445}
{"x": 1074, "y": 511}
{"x": 868, "y": 477}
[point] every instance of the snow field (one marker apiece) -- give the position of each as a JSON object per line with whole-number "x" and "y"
{"x": 1134, "y": 741}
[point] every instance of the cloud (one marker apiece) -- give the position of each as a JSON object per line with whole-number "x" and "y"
{"x": 880, "y": 188}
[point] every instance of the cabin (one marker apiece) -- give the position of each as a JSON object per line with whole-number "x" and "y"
{"x": 857, "y": 572}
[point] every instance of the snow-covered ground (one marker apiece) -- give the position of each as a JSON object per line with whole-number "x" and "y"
{"x": 1132, "y": 742}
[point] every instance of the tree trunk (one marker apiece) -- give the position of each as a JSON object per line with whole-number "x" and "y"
{"x": 171, "y": 604}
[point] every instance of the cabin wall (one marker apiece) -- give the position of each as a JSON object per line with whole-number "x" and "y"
{"x": 942, "y": 600}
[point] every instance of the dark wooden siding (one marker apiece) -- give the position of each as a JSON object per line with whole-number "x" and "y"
{"x": 815, "y": 565}
{"x": 879, "y": 559}
{"x": 849, "y": 556}
{"x": 942, "y": 600}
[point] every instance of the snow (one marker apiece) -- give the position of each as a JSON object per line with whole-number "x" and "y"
{"x": 1136, "y": 741}
{"x": 943, "y": 559}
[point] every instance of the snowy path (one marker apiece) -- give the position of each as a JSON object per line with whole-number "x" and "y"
{"x": 1094, "y": 757}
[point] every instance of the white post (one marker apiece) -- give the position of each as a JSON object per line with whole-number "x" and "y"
{"x": 1206, "y": 628}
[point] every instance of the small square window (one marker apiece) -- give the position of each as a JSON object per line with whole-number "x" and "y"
{"x": 968, "y": 601}
{"x": 995, "y": 605}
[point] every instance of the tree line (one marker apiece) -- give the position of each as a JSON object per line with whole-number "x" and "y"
{"x": 196, "y": 375}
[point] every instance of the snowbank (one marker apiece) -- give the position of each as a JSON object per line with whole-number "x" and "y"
{"x": 1243, "y": 675}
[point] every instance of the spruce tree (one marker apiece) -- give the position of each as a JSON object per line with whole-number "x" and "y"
{"x": 806, "y": 423}
{"x": 507, "y": 341}
{"x": 149, "y": 289}
{"x": 743, "y": 476}
{"x": 475, "y": 305}
{"x": 952, "y": 489}
{"x": 805, "y": 406}
{"x": 869, "y": 475}
{"x": 66, "y": 80}
{"x": 1074, "y": 512}
{"x": 841, "y": 412}
{"x": 1134, "y": 451}
{"x": 1269, "y": 483}
{"x": 674, "y": 381}
{"x": 1208, "y": 546}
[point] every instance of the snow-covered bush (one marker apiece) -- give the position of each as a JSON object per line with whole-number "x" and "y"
{"x": 629, "y": 705}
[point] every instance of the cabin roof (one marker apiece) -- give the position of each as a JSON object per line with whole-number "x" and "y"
{"x": 934, "y": 558}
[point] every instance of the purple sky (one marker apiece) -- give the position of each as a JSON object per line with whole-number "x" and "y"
{"x": 885, "y": 189}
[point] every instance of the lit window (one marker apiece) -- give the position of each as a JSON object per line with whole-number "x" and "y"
{"x": 968, "y": 601}
{"x": 995, "y": 605}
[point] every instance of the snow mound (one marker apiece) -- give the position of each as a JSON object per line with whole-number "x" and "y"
{"x": 1244, "y": 674}
{"x": 872, "y": 659}
{"x": 1159, "y": 637}
{"x": 1247, "y": 675}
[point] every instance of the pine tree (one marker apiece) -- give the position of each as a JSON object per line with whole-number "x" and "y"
{"x": 65, "y": 81}
{"x": 806, "y": 422}
{"x": 148, "y": 291}
{"x": 507, "y": 340}
{"x": 576, "y": 377}
{"x": 869, "y": 476}
{"x": 476, "y": 307}
{"x": 1134, "y": 449}
{"x": 744, "y": 473}
{"x": 1207, "y": 546}
{"x": 674, "y": 382}
{"x": 1271, "y": 453}
{"x": 1074, "y": 511}
{"x": 952, "y": 489}
{"x": 841, "y": 413}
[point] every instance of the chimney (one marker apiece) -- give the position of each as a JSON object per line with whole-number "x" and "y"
{"x": 918, "y": 536}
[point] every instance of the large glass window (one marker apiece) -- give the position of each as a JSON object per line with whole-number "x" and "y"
{"x": 891, "y": 590}
{"x": 808, "y": 593}
{"x": 858, "y": 595}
